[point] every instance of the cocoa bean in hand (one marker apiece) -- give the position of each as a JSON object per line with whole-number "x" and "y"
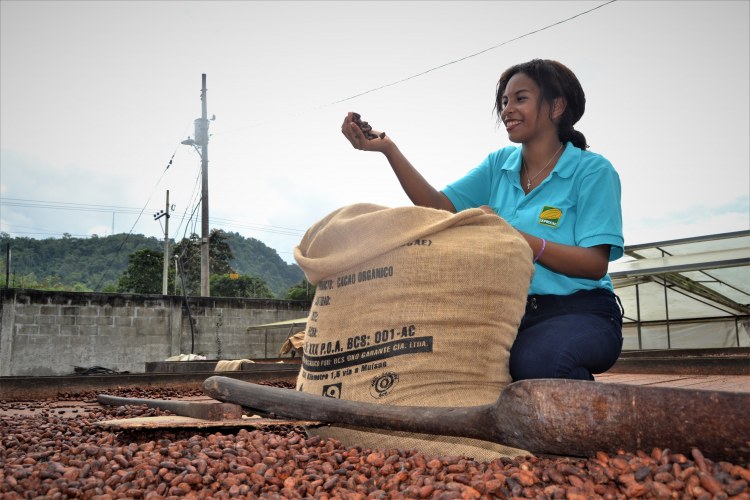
{"x": 365, "y": 127}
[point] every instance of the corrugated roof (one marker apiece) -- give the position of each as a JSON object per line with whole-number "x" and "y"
{"x": 705, "y": 276}
{"x": 687, "y": 281}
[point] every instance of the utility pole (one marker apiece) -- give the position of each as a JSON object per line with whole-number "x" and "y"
{"x": 201, "y": 137}
{"x": 165, "y": 270}
{"x": 165, "y": 278}
{"x": 7, "y": 265}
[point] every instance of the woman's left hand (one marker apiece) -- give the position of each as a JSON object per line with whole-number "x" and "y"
{"x": 580, "y": 262}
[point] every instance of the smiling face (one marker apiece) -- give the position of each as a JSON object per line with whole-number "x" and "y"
{"x": 525, "y": 115}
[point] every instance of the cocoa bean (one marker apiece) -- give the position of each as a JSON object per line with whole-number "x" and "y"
{"x": 642, "y": 473}
{"x": 660, "y": 490}
{"x": 743, "y": 472}
{"x": 663, "y": 477}
{"x": 636, "y": 490}
{"x": 700, "y": 461}
{"x": 365, "y": 127}
{"x": 709, "y": 483}
{"x": 735, "y": 487}
{"x": 620, "y": 464}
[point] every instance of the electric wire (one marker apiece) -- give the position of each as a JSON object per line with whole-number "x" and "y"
{"x": 471, "y": 55}
{"x": 62, "y": 205}
{"x": 231, "y": 224}
{"x": 430, "y": 70}
{"x": 190, "y": 203}
{"x": 47, "y": 233}
{"x": 193, "y": 219}
{"x": 130, "y": 232}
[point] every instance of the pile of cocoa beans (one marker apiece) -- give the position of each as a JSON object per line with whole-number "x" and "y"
{"x": 365, "y": 127}
{"x": 46, "y": 455}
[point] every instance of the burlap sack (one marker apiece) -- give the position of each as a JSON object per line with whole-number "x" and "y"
{"x": 413, "y": 307}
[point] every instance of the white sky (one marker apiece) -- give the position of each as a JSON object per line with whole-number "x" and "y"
{"x": 95, "y": 98}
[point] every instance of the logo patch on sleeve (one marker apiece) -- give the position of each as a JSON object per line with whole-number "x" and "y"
{"x": 550, "y": 216}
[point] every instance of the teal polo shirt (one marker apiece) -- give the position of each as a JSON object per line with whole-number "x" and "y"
{"x": 577, "y": 204}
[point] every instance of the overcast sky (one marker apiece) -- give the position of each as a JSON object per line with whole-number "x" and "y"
{"x": 95, "y": 98}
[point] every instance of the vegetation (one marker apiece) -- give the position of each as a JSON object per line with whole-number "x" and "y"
{"x": 228, "y": 285}
{"x": 135, "y": 262}
{"x": 189, "y": 253}
{"x": 301, "y": 291}
{"x": 279, "y": 275}
{"x": 145, "y": 273}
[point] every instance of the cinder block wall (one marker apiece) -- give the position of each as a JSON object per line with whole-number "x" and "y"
{"x": 50, "y": 333}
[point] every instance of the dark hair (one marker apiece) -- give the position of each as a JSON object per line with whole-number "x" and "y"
{"x": 554, "y": 80}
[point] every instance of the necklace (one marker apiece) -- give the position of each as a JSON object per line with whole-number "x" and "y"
{"x": 530, "y": 180}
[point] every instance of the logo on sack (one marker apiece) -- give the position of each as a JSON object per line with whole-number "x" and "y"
{"x": 383, "y": 384}
{"x": 332, "y": 391}
{"x": 550, "y": 216}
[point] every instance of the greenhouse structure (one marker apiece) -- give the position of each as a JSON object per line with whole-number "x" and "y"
{"x": 691, "y": 293}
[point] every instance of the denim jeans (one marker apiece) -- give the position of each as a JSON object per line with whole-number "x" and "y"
{"x": 572, "y": 336}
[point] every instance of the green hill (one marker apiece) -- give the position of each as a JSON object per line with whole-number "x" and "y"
{"x": 96, "y": 263}
{"x": 253, "y": 258}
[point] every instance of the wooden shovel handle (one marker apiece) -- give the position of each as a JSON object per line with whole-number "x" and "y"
{"x": 472, "y": 421}
{"x": 552, "y": 416}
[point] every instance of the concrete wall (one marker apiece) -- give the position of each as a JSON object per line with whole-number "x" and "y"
{"x": 51, "y": 333}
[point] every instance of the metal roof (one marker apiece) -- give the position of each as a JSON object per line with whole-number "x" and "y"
{"x": 693, "y": 280}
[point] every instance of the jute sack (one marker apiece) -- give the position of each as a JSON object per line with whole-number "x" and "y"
{"x": 413, "y": 307}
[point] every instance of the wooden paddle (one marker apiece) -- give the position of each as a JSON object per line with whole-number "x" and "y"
{"x": 548, "y": 416}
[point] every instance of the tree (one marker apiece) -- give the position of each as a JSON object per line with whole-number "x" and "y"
{"x": 96, "y": 264}
{"x": 189, "y": 253}
{"x": 301, "y": 291}
{"x": 254, "y": 258}
{"x": 242, "y": 286}
{"x": 144, "y": 273}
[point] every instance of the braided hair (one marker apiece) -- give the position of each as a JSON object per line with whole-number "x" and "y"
{"x": 554, "y": 80}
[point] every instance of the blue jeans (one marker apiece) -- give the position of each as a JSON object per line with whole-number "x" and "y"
{"x": 572, "y": 336}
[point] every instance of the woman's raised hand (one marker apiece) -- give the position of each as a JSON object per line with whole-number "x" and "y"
{"x": 361, "y": 134}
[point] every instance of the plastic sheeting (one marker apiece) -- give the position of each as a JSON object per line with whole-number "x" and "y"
{"x": 685, "y": 294}
{"x": 715, "y": 334}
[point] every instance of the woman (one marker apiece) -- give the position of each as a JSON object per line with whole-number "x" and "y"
{"x": 563, "y": 199}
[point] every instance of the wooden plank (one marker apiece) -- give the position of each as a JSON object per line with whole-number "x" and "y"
{"x": 727, "y": 383}
{"x": 643, "y": 379}
{"x": 733, "y": 383}
{"x": 176, "y": 422}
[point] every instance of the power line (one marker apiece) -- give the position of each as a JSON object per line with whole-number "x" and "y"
{"x": 59, "y": 205}
{"x": 48, "y": 233}
{"x": 435, "y": 68}
{"x": 260, "y": 227}
{"x": 124, "y": 240}
{"x": 62, "y": 205}
{"x": 192, "y": 199}
{"x": 470, "y": 55}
